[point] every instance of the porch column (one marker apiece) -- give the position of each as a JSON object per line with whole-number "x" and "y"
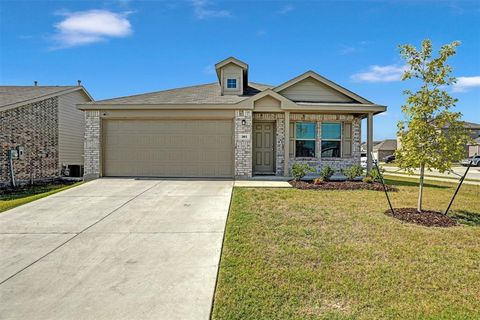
{"x": 369, "y": 141}
{"x": 286, "y": 144}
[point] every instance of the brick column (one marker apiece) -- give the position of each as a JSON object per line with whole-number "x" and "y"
{"x": 92, "y": 145}
{"x": 243, "y": 143}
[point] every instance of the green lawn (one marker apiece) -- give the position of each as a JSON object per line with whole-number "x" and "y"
{"x": 293, "y": 254}
{"x": 15, "y": 199}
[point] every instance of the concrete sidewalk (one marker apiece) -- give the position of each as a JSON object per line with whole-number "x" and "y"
{"x": 115, "y": 249}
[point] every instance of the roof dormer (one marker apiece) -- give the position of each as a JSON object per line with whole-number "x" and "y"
{"x": 232, "y": 75}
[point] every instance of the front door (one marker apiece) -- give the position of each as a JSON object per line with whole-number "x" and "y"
{"x": 263, "y": 148}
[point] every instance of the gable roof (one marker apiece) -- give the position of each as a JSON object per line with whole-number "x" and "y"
{"x": 241, "y": 64}
{"x": 201, "y": 94}
{"x": 13, "y": 96}
{"x": 389, "y": 144}
{"x": 233, "y": 60}
{"x": 325, "y": 81}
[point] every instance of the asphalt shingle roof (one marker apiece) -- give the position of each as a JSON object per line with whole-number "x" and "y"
{"x": 15, "y": 94}
{"x": 200, "y": 94}
{"x": 389, "y": 144}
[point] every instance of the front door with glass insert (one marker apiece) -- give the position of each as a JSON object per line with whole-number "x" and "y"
{"x": 263, "y": 148}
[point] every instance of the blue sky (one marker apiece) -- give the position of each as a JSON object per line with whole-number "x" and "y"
{"x": 120, "y": 48}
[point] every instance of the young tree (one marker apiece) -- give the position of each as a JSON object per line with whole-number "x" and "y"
{"x": 431, "y": 136}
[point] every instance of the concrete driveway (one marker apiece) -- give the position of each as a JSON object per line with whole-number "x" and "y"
{"x": 115, "y": 249}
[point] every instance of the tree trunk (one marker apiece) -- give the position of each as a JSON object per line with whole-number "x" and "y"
{"x": 420, "y": 189}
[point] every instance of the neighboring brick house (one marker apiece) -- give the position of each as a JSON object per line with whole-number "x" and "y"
{"x": 230, "y": 128}
{"x": 44, "y": 122}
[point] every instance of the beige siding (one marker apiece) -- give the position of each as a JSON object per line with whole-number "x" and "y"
{"x": 71, "y": 128}
{"x": 311, "y": 90}
{"x": 232, "y": 71}
{"x": 267, "y": 102}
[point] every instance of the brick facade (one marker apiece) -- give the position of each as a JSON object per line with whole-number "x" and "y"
{"x": 34, "y": 127}
{"x": 243, "y": 143}
{"x": 335, "y": 163}
{"x": 243, "y": 124}
{"x": 92, "y": 145}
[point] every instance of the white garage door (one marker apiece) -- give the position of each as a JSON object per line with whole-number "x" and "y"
{"x": 168, "y": 148}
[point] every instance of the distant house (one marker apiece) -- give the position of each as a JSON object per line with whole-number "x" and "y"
{"x": 474, "y": 133}
{"x": 363, "y": 147}
{"x": 474, "y": 148}
{"x": 43, "y": 125}
{"x": 384, "y": 148}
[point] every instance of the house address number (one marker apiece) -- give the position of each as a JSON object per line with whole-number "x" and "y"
{"x": 244, "y": 136}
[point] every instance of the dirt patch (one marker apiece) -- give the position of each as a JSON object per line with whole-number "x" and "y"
{"x": 340, "y": 185}
{"x": 427, "y": 218}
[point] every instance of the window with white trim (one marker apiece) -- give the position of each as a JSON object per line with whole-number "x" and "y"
{"x": 231, "y": 83}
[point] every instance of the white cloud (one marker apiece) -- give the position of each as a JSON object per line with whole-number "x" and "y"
{"x": 353, "y": 48}
{"x": 465, "y": 83}
{"x": 286, "y": 9}
{"x": 86, "y": 27}
{"x": 201, "y": 12}
{"x": 376, "y": 73}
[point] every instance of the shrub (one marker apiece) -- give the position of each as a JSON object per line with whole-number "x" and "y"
{"x": 326, "y": 173}
{"x": 367, "y": 180}
{"x": 300, "y": 170}
{"x": 375, "y": 175}
{"x": 353, "y": 172}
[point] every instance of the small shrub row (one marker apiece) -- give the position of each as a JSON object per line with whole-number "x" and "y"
{"x": 300, "y": 170}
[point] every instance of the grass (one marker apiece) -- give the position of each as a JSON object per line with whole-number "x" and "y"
{"x": 29, "y": 194}
{"x": 303, "y": 254}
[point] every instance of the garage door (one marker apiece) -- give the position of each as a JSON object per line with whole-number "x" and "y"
{"x": 168, "y": 148}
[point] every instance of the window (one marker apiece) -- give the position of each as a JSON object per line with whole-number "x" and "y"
{"x": 231, "y": 83}
{"x": 331, "y": 140}
{"x": 305, "y": 139}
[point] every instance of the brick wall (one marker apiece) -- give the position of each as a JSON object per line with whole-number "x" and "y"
{"x": 92, "y": 145}
{"x": 35, "y": 127}
{"x": 339, "y": 163}
{"x": 243, "y": 148}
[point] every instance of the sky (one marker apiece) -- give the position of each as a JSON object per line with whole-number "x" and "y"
{"x": 119, "y": 48}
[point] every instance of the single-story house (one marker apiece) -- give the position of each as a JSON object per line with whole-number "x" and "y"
{"x": 43, "y": 131}
{"x": 474, "y": 147}
{"x": 473, "y": 130}
{"x": 363, "y": 147}
{"x": 384, "y": 148}
{"x": 230, "y": 128}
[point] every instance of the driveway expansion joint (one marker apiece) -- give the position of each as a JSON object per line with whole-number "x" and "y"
{"x": 76, "y": 235}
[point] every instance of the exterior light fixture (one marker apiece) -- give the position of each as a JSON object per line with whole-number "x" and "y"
{"x": 244, "y": 122}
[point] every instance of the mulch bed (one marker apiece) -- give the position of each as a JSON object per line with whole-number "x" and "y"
{"x": 427, "y": 218}
{"x": 340, "y": 185}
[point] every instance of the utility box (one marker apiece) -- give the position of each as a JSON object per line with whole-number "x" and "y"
{"x": 21, "y": 153}
{"x": 13, "y": 154}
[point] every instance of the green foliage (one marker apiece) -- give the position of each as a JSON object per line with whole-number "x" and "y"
{"x": 431, "y": 136}
{"x": 300, "y": 170}
{"x": 368, "y": 180}
{"x": 376, "y": 175}
{"x": 353, "y": 172}
{"x": 326, "y": 173}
